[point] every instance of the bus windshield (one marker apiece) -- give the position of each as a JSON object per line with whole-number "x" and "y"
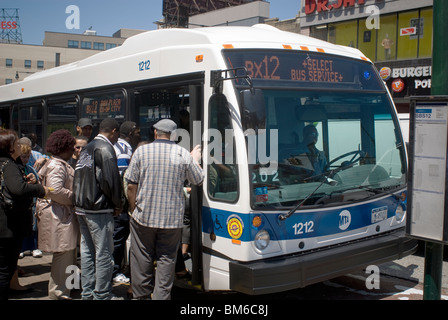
{"x": 348, "y": 142}
{"x": 328, "y": 128}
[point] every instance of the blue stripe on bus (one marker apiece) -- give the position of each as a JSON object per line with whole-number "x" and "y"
{"x": 300, "y": 225}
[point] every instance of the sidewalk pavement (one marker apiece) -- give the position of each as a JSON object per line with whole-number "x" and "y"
{"x": 37, "y": 275}
{"x": 402, "y": 277}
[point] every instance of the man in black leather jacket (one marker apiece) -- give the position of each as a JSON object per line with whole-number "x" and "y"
{"x": 98, "y": 196}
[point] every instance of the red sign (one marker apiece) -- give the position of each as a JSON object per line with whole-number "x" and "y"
{"x": 397, "y": 85}
{"x": 8, "y": 25}
{"x": 323, "y": 5}
{"x": 408, "y": 31}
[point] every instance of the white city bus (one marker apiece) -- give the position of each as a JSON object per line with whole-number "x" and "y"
{"x": 265, "y": 219}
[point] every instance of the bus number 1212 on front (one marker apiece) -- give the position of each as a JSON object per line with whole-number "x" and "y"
{"x": 301, "y": 228}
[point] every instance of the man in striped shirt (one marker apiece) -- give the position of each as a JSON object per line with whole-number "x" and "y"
{"x": 128, "y": 140}
{"x": 156, "y": 177}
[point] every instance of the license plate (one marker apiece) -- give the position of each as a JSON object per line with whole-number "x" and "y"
{"x": 379, "y": 214}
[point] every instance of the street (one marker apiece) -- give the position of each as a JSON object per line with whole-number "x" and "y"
{"x": 398, "y": 280}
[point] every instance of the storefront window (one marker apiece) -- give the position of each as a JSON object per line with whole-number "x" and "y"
{"x": 385, "y": 43}
{"x": 344, "y": 33}
{"x": 407, "y": 44}
{"x": 387, "y": 36}
{"x": 425, "y": 41}
{"x": 367, "y": 40}
{"x": 319, "y": 32}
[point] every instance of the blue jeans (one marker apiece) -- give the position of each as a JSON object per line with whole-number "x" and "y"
{"x": 97, "y": 263}
{"x": 121, "y": 234}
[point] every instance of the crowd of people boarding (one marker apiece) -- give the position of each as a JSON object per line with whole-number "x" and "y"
{"x": 82, "y": 199}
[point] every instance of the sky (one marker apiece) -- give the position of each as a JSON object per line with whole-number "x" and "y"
{"x": 104, "y": 16}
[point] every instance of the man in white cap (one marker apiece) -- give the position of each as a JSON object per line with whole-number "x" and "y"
{"x": 156, "y": 177}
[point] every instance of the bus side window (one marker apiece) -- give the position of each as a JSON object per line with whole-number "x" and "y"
{"x": 30, "y": 118}
{"x": 221, "y": 170}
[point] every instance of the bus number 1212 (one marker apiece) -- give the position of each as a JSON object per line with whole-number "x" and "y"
{"x": 300, "y": 228}
{"x": 143, "y": 65}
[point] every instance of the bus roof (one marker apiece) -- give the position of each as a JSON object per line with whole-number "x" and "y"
{"x": 260, "y": 36}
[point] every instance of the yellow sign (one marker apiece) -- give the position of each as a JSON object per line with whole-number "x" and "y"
{"x": 235, "y": 227}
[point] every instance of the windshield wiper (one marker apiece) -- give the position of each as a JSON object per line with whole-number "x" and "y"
{"x": 327, "y": 178}
{"x": 291, "y": 212}
{"x": 376, "y": 191}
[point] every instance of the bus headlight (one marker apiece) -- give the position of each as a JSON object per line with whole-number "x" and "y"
{"x": 400, "y": 212}
{"x": 262, "y": 239}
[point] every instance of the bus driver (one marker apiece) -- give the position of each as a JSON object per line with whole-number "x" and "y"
{"x": 309, "y": 157}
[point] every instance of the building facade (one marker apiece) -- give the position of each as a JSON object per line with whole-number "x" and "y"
{"x": 395, "y": 35}
{"x": 242, "y": 15}
{"x": 176, "y": 13}
{"x": 20, "y": 60}
{"x": 17, "y": 61}
{"x": 88, "y": 40}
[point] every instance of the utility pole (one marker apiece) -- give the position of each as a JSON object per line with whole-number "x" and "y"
{"x": 432, "y": 288}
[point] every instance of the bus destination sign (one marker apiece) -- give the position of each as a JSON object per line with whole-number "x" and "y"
{"x": 301, "y": 66}
{"x": 320, "y": 70}
{"x": 103, "y": 106}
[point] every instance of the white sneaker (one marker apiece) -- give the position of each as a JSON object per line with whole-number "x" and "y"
{"x": 37, "y": 253}
{"x": 121, "y": 278}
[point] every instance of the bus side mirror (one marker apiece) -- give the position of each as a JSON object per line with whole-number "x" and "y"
{"x": 253, "y": 109}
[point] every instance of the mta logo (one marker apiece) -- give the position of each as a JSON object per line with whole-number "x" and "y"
{"x": 345, "y": 218}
